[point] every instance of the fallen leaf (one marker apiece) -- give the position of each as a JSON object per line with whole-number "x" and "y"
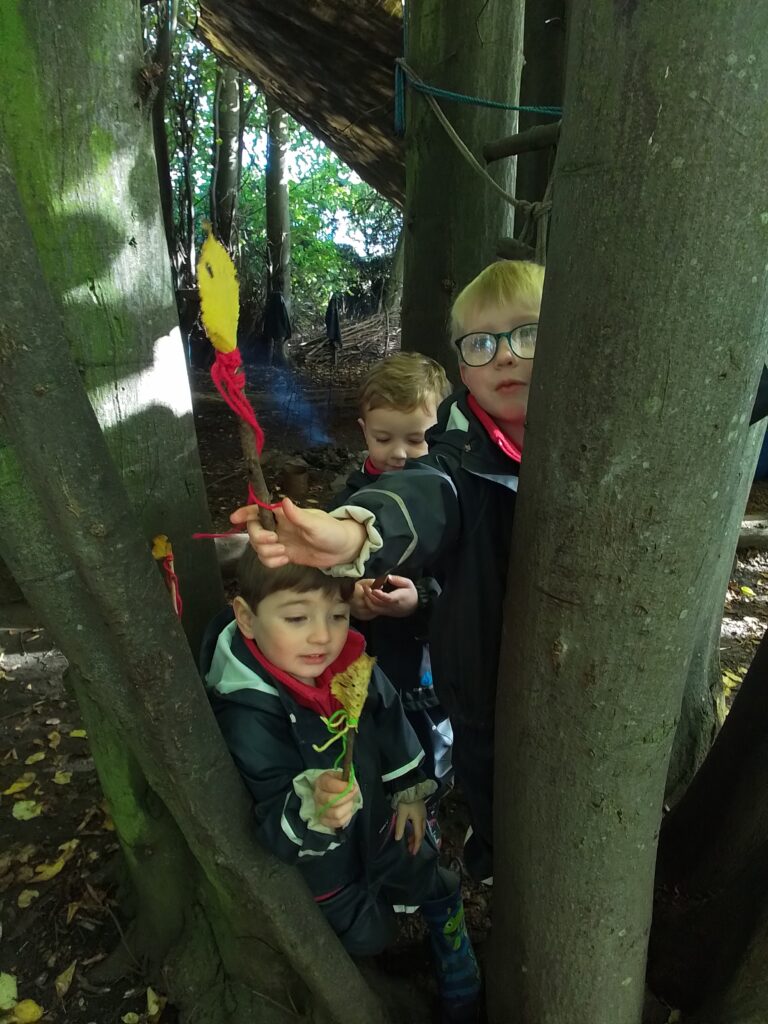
{"x": 64, "y": 980}
{"x": 8, "y": 991}
{"x": 6, "y": 859}
{"x": 26, "y": 1012}
{"x": 62, "y": 778}
{"x": 25, "y": 853}
{"x": 25, "y": 873}
{"x": 78, "y": 734}
{"x": 54, "y": 739}
{"x": 23, "y": 782}
{"x": 23, "y": 810}
{"x": 72, "y": 909}
{"x": 45, "y": 872}
{"x": 155, "y": 1005}
{"x": 34, "y": 758}
{"x": 26, "y": 898}
{"x": 747, "y": 591}
{"x": 6, "y": 881}
{"x": 130, "y": 1018}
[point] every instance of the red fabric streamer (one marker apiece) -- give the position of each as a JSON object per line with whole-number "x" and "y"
{"x": 173, "y": 583}
{"x": 231, "y": 386}
{"x": 228, "y": 375}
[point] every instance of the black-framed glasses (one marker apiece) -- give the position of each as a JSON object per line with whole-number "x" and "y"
{"x": 480, "y": 348}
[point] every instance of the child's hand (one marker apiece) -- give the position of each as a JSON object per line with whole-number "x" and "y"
{"x": 358, "y": 606}
{"x": 397, "y": 603}
{"x": 416, "y": 813}
{"x": 306, "y": 536}
{"x": 327, "y": 788}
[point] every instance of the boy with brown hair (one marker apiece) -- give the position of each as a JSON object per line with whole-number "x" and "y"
{"x": 454, "y": 509}
{"x": 268, "y": 663}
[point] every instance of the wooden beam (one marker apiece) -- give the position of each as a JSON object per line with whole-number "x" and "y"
{"x": 541, "y": 136}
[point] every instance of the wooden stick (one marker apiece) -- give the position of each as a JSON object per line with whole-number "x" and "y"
{"x": 256, "y": 474}
{"x": 346, "y": 764}
{"x": 514, "y": 249}
{"x": 540, "y": 136}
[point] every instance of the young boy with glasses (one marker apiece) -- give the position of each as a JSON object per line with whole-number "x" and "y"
{"x": 450, "y": 514}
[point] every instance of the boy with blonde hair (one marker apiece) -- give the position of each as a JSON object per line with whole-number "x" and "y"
{"x": 454, "y": 509}
{"x": 268, "y": 663}
{"x": 398, "y": 403}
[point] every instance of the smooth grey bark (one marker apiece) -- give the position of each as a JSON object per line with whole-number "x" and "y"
{"x": 453, "y": 217}
{"x": 227, "y": 149}
{"x": 278, "y": 208}
{"x": 650, "y": 352}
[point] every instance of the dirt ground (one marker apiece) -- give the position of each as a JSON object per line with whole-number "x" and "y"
{"x": 59, "y": 873}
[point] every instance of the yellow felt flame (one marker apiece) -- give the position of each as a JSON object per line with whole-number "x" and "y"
{"x": 219, "y": 294}
{"x": 161, "y": 547}
{"x": 350, "y": 687}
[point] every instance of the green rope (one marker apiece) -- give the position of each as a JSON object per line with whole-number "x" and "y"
{"x": 405, "y": 76}
{"x": 338, "y": 725}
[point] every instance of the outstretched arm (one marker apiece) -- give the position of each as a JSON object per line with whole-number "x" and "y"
{"x": 304, "y": 536}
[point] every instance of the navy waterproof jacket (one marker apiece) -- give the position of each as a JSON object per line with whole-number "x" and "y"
{"x": 272, "y": 738}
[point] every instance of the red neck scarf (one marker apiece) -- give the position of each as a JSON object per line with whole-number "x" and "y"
{"x": 494, "y": 431}
{"x": 316, "y": 698}
{"x": 370, "y": 469}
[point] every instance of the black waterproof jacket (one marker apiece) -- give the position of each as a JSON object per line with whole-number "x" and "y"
{"x": 449, "y": 515}
{"x": 400, "y": 645}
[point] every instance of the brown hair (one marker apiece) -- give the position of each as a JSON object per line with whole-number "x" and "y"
{"x": 256, "y": 582}
{"x": 403, "y": 381}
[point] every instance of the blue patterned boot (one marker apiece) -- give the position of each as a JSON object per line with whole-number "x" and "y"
{"x": 458, "y": 976}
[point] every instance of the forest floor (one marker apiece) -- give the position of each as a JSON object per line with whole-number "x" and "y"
{"x": 60, "y": 907}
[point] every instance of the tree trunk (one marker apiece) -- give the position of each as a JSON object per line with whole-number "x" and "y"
{"x": 158, "y": 78}
{"x": 453, "y": 217}
{"x": 226, "y": 154}
{"x": 393, "y": 292}
{"x": 236, "y": 933}
{"x": 541, "y": 84}
{"x": 278, "y": 218}
{"x": 710, "y": 929}
{"x": 70, "y": 73}
{"x": 631, "y": 485}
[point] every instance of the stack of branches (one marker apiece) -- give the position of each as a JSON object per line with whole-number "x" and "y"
{"x": 372, "y": 338}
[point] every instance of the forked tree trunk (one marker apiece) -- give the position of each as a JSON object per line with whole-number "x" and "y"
{"x": 650, "y": 352}
{"x": 236, "y": 934}
{"x": 453, "y": 217}
{"x": 70, "y": 72}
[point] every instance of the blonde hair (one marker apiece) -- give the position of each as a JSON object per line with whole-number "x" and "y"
{"x": 501, "y": 284}
{"x": 404, "y": 381}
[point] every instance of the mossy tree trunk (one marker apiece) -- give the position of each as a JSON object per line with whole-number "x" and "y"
{"x": 80, "y": 147}
{"x": 453, "y": 217}
{"x": 632, "y": 485}
{"x": 235, "y": 933}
